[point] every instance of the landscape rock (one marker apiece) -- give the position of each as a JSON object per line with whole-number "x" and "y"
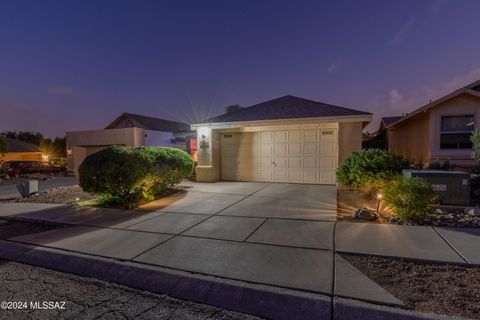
{"x": 474, "y": 212}
{"x": 364, "y": 214}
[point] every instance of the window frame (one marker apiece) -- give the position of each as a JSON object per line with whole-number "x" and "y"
{"x": 472, "y": 114}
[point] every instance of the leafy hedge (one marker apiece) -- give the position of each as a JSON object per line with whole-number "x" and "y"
{"x": 126, "y": 174}
{"x": 409, "y": 197}
{"x": 370, "y": 169}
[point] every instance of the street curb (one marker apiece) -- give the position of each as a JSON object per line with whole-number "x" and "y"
{"x": 260, "y": 300}
{"x": 348, "y": 309}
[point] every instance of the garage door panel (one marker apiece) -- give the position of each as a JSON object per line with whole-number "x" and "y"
{"x": 295, "y": 163}
{"x": 297, "y": 156}
{"x": 310, "y": 163}
{"x": 311, "y": 136}
{"x": 295, "y": 136}
{"x": 280, "y": 149}
{"x": 280, "y": 175}
{"x": 327, "y": 148}
{"x": 295, "y": 176}
{"x": 309, "y": 176}
{"x": 310, "y": 148}
{"x": 294, "y": 148}
{"x": 281, "y": 136}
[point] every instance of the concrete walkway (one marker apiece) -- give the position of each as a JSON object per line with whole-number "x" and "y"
{"x": 272, "y": 234}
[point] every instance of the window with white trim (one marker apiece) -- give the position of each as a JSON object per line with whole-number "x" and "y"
{"x": 455, "y": 132}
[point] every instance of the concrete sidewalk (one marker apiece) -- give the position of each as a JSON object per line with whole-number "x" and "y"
{"x": 213, "y": 230}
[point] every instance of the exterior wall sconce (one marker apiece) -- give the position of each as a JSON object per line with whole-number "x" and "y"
{"x": 204, "y": 134}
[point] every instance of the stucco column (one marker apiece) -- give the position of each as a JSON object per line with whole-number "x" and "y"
{"x": 208, "y": 155}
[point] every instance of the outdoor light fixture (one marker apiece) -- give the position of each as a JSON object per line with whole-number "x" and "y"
{"x": 379, "y": 198}
{"x": 204, "y": 134}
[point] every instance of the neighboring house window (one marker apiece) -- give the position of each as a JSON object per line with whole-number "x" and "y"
{"x": 455, "y": 132}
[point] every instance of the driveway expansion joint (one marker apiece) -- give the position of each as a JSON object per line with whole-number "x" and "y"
{"x": 451, "y": 245}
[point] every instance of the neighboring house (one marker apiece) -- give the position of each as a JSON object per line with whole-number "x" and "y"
{"x": 439, "y": 130}
{"x": 19, "y": 150}
{"x": 128, "y": 130}
{"x": 379, "y": 138}
{"x": 288, "y": 139}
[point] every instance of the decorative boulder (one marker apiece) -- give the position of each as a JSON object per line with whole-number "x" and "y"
{"x": 474, "y": 212}
{"x": 364, "y": 214}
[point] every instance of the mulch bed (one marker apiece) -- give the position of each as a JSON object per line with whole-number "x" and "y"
{"x": 435, "y": 288}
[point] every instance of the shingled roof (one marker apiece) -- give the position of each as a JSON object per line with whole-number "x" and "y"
{"x": 20, "y": 146}
{"x": 151, "y": 123}
{"x": 389, "y": 120}
{"x": 287, "y": 107}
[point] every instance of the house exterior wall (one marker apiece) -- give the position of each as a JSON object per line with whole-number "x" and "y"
{"x": 21, "y": 156}
{"x": 461, "y": 105}
{"x": 80, "y": 144}
{"x": 418, "y": 138}
{"x": 349, "y": 139}
{"x": 411, "y": 138}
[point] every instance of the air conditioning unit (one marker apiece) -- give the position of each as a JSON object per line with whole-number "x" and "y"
{"x": 451, "y": 187}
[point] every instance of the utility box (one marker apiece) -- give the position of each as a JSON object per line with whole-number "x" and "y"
{"x": 28, "y": 188}
{"x": 451, "y": 187}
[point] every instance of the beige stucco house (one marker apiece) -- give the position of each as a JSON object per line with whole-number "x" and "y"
{"x": 21, "y": 151}
{"x": 439, "y": 130}
{"x": 126, "y": 130}
{"x": 288, "y": 139}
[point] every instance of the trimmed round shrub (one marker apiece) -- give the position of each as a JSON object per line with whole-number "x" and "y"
{"x": 126, "y": 174}
{"x": 370, "y": 169}
{"x": 409, "y": 197}
{"x": 167, "y": 167}
{"x": 116, "y": 171}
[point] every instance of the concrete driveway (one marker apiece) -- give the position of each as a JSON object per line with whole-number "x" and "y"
{"x": 264, "y": 233}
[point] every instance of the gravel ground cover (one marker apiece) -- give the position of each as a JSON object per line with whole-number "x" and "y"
{"x": 86, "y": 298}
{"x": 441, "y": 216}
{"x": 59, "y": 195}
{"x": 437, "y": 288}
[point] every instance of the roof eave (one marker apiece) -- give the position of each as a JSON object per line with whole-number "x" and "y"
{"x": 434, "y": 104}
{"x": 234, "y": 124}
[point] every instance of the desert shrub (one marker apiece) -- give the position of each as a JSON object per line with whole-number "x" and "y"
{"x": 167, "y": 167}
{"x": 116, "y": 172}
{"x": 370, "y": 169}
{"x": 438, "y": 165}
{"x": 409, "y": 197}
{"x": 126, "y": 175}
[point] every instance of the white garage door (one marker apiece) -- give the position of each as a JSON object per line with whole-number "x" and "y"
{"x": 300, "y": 156}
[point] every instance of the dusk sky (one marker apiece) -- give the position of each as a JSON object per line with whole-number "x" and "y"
{"x": 75, "y": 65}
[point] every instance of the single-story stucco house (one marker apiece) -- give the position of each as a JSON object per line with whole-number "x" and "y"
{"x": 21, "y": 151}
{"x": 439, "y": 130}
{"x": 288, "y": 139}
{"x": 129, "y": 130}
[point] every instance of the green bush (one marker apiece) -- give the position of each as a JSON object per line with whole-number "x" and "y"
{"x": 409, "y": 197}
{"x": 370, "y": 169}
{"x": 126, "y": 175}
{"x": 116, "y": 172}
{"x": 167, "y": 167}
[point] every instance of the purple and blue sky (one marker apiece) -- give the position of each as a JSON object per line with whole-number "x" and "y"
{"x": 74, "y": 65}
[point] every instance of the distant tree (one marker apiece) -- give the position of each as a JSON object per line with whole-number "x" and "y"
{"x": 25, "y": 136}
{"x": 233, "y": 108}
{"x": 3, "y": 145}
{"x": 60, "y": 146}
